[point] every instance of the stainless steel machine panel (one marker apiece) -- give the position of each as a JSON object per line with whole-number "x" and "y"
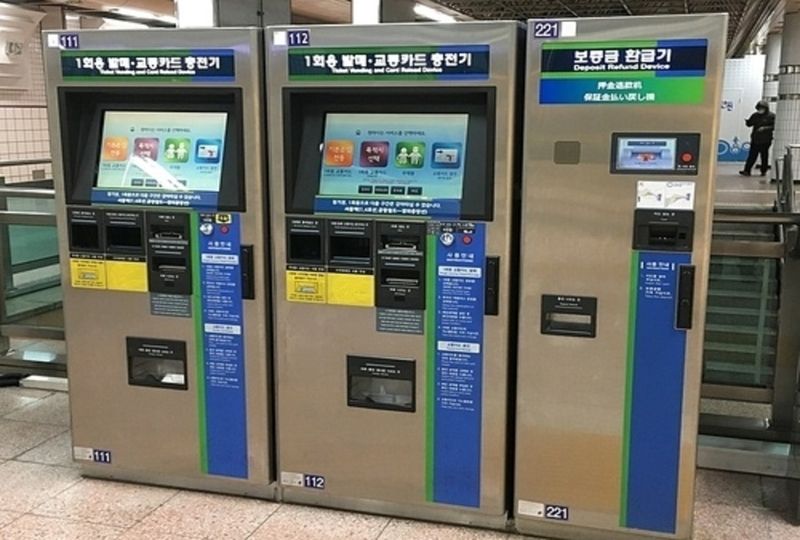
{"x": 165, "y": 296}
{"x": 619, "y": 164}
{"x": 373, "y": 413}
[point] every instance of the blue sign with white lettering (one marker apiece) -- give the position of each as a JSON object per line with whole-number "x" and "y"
{"x": 656, "y": 400}
{"x": 223, "y": 344}
{"x": 460, "y": 262}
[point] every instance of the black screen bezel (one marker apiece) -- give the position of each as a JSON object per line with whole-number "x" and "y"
{"x": 83, "y": 113}
{"x": 305, "y": 111}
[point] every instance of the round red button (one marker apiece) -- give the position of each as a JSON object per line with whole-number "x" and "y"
{"x": 687, "y": 157}
{"x": 467, "y": 239}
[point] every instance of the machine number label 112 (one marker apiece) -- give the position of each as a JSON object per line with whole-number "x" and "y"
{"x": 313, "y": 481}
{"x": 298, "y": 38}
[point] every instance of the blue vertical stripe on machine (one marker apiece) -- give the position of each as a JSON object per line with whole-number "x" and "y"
{"x": 223, "y": 344}
{"x": 657, "y": 396}
{"x": 460, "y": 268}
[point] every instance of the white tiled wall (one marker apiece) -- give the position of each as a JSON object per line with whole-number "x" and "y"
{"x": 23, "y": 124}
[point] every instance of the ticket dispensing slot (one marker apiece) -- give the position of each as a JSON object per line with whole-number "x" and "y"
{"x": 663, "y": 230}
{"x": 124, "y": 232}
{"x": 158, "y": 363}
{"x": 401, "y": 265}
{"x": 304, "y": 241}
{"x": 565, "y": 315}
{"x": 85, "y": 231}
{"x": 169, "y": 253}
{"x": 350, "y": 244}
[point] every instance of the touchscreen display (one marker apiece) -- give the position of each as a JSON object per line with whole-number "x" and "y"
{"x": 394, "y": 156}
{"x": 162, "y": 151}
{"x": 646, "y": 153}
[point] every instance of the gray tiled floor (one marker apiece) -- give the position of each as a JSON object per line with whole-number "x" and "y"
{"x": 43, "y": 496}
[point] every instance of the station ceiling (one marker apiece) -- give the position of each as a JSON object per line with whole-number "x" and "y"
{"x": 747, "y": 17}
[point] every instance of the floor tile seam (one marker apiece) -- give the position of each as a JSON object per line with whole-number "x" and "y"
{"x": 60, "y": 433}
{"x": 278, "y": 506}
{"x": 20, "y": 514}
{"x": 383, "y": 529}
{"x": 148, "y": 514}
{"x": 21, "y": 407}
{"x": 45, "y": 501}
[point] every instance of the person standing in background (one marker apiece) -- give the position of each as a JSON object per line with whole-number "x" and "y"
{"x": 763, "y": 123}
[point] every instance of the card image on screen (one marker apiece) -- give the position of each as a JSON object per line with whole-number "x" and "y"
{"x": 162, "y": 151}
{"x": 646, "y": 153}
{"x": 411, "y": 156}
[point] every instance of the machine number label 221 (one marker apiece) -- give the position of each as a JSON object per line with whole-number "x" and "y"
{"x": 553, "y": 511}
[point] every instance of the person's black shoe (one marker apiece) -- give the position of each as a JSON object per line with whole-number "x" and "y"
{"x": 744, "y": 173}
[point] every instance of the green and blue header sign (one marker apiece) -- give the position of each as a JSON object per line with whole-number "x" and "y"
{"x": 441, "y": 62}
{"x": 669, "y": 71}
{"x": 199, "y": 65}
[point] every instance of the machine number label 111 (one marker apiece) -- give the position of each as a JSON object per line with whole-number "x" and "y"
{"x": 82, "y": 453}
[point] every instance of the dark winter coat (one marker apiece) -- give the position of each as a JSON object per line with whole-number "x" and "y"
{"x": 763, "y": 125}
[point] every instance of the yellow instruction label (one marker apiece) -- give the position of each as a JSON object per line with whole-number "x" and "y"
{"x": 87, "y": 273}
{"x": 351, "y": 289}
{"x": 127, "y": 276}
{"x": 305, "y": 287}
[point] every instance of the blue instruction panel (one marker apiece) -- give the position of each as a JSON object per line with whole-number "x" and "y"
{"x": 223, "y": 344}
{"x": 460, "y": 263}
{"x": 659, "y": 362}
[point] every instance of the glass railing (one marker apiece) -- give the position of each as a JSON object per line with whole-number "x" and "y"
{"x": 751, "y": 350}
{"x": 31, "y": 316}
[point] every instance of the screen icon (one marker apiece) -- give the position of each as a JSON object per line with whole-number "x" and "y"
{"x": 115, "y": 149}
{"x": 410, "y": 155}
{"x": 446, "y": 156}
{"x": 208, "y": 150}
{"x": 339, "y": 153}
{"x": 177, "y": 150}
{"x": 374, "y": 154}
{"x": 146, "y": 147}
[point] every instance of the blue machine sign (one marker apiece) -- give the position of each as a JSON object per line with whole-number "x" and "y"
{"x": 460, "y": 262}
{"x": 200, "y": 65}
{"x": 443, "y": 62}
{"x": 667, "y": 71}
{"x": 223, "y": 344}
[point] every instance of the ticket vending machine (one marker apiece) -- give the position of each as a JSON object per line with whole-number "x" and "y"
{"x": 619, "y": 164}
{"x": 391, "y": 210}
{"x": 157, "y": 159}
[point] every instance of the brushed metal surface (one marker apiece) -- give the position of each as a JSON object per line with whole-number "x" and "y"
{"x": 153, "y": 433}
{"x": 576, "y": 240}
{"x": 370, "y": 454}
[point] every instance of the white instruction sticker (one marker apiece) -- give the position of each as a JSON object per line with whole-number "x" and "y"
{"x": 530, "y": 508}
{"x": 292, "y": 479}
{"x": 81, "y": 453}
{"x": 665, "y": 195}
